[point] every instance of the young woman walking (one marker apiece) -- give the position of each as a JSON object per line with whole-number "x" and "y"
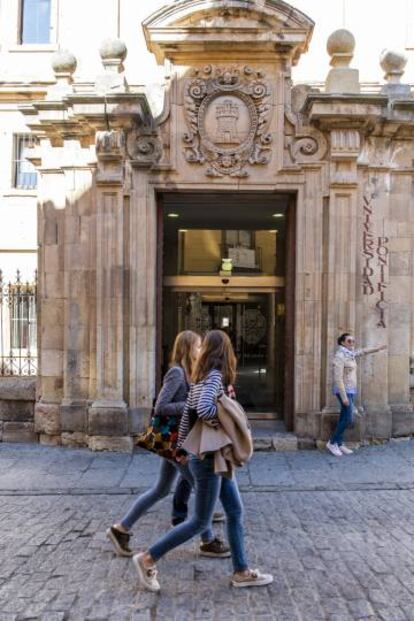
{"x": 170, "y": 402}
{"x": 345, "y": 388}
{"x": 215, "y": 369}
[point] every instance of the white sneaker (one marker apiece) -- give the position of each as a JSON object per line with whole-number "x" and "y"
{"x": 147, "y": 575}
{"x": 252, "y": 579}
{"x": 345, "y": 450}
{"x": 334, "y": 449}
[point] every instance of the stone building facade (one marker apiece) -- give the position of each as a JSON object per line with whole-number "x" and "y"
{"x": 282, "y": 214}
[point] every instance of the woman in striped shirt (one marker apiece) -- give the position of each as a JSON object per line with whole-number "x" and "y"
{"x": 215, "y": 368}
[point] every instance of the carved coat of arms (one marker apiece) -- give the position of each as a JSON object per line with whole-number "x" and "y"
{"x": 227, "y": 111}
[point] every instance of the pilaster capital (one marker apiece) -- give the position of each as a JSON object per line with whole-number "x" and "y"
{"x": 110, "y": 153}
{"x": 110, "y": 145}
{"x": 345, "y": 150}
{"x": 345, "y": 144}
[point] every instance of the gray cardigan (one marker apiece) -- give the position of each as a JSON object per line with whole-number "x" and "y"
{"x": 173, "y": 394}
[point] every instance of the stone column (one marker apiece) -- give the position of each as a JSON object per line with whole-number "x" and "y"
{"x": 51, "y": 194}
{"x": 145, "y": 150}
{"x": 79, "y": 287}
{"x": 341, "y": 259}
{"x": 143, "y": 296}
{"x": 309, "y": 266}
{"x": 108, "y": 416}
{"x": 399, "y": 299}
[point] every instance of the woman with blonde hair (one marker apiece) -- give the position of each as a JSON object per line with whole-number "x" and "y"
{"x": 215, "y": 369}
{"x": 170, "y": 402}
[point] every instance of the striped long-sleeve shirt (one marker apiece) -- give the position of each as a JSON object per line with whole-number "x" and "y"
{"x": 202, "y": 401}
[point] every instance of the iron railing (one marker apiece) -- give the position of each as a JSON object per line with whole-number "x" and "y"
{"x": 18, "y": 326}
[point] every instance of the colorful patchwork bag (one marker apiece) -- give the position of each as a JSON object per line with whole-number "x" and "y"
{"x": 161, "y": 436}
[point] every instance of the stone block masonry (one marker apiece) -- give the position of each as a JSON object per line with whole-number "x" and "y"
{"x": 17, "y": 400}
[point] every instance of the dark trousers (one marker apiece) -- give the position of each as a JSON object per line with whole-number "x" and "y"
{"x": 180, "y": 500}
{"x": 345, "y": 420}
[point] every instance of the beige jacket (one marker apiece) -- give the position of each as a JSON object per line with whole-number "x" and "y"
{"x": 230, "y": 441}
{"x": 345, "y": 369}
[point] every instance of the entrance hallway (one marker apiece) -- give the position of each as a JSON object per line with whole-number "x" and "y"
{"x": 224, "y": 259}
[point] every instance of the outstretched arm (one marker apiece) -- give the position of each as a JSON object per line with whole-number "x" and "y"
{"x": 369, "y": 350}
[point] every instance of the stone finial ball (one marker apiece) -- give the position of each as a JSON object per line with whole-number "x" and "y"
{"x": 64, "y": 61}
{"x": 392, "y": 61}
{"x": 340, "y": 42}
{"x": 113, "y": 48}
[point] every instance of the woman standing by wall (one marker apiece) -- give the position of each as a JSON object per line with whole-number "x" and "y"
{"x": 345, "y": 388}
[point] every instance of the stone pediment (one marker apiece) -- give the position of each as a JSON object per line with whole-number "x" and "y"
{"x": 192, "y": 27}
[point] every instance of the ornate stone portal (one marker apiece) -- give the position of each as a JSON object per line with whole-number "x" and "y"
{"x": 231, "y": 122}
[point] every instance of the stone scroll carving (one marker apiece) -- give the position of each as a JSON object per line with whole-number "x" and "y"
{"x": 310, "y": 145}
{"x": 144, "y": 149}
{"x": 227, "y": 111}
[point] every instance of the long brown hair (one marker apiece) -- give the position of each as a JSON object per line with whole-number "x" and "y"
{"x": 183, "y": 351}
{"x": 216, "y": 353}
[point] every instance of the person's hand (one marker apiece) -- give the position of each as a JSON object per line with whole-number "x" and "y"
{"x": 381, "y": 347}
{"x": 231, "y": 392}
{"x": 346, "y": 402}
{"x": 182, "y": 459}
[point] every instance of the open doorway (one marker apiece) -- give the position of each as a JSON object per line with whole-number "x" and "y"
{"x": 223, "y": 262}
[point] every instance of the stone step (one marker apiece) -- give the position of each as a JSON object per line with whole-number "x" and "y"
{"x": 277, "y": 442}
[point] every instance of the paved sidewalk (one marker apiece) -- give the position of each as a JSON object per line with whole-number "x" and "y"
{"x": 31, "y": 469}
{"x": 336, "y": 533}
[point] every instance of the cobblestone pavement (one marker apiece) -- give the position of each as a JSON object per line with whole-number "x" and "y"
{"x": 336, "y": 533}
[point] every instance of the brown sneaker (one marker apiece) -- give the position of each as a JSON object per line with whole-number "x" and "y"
{"x": 253, "y": 579}
{"x": 120, "y": 541}
{"x": 215, "y": 549}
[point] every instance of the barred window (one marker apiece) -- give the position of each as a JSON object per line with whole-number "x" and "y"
{"x": 18, "y": 326}
{"x": 35, "y": 21}
{"x": 25, "y": 175}
{"x": 23, "y": 318}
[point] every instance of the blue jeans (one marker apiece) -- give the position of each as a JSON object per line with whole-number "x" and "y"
{"x": 180, "y": 500}
{"x": 208, "y": 487}
{"x": 345, "y": 420}
{"x": 168, "y": 474}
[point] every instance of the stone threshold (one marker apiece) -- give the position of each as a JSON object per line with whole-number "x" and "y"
{"x": 279, "y": 441}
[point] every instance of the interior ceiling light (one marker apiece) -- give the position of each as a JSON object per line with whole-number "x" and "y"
{"x": 173, "y": 215}
{"x": 272, "y": 230}
{"x": 278, "y": 215}
{"x": 183, "y": 230}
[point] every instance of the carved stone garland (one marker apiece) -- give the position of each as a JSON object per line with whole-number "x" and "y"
{"x": 227, "y": 112}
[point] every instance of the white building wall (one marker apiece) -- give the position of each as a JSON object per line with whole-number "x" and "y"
{"x": 18, "y": 230}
